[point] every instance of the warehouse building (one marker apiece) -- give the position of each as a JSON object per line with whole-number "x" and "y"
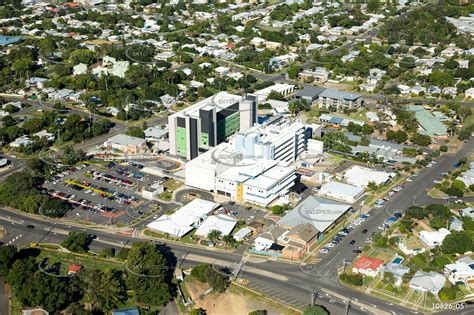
{"x": 361, "y": 176}
{"x": 194, "y": 130}
{"x": 321, "y": 213}
{"x": 340, "y": 191}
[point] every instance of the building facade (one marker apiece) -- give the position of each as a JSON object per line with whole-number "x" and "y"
{"x": 194, "y": 130}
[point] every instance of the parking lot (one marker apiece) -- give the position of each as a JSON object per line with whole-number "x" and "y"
{"x": 245, "y": 213}
{"x": 102, "y": 193}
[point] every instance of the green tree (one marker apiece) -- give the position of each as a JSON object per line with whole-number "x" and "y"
{"x": 373, "y": 5}
{"x": 315, "y": 310}
{"x": 216, "y": 280}
{"x": 77, "y": 242}
{"x": 293, "y": 71}
{"x": 7, "y": 258}
{"x": 149, "y": 275}
{"x": 277, "y": 210}
{"x": 457, "y": 243}
{"x": 136, "y": 132}
{"x": 105, "y": 291}
{"x": 422, "y": 140}
{"x": 214, "y": 235}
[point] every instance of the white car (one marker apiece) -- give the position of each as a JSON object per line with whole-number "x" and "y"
{"x": 324, "y": 250}
{"x": 330, "y": 245}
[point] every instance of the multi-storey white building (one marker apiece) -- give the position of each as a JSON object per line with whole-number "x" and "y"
{"x": 281, "y": 140}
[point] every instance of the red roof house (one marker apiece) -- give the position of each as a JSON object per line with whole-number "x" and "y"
{"x": 368, "y": 266}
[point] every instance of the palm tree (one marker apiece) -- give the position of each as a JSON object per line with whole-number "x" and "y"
{"x": 228, "y": 240}
{"x": 214, "y": 235}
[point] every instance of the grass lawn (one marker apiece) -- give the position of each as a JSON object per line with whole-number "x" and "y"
{"x": 165, "y": 196}
{"x": 85, "y": 260}
{"x": 385, "y": 256}
{"x": 172, "y": 184}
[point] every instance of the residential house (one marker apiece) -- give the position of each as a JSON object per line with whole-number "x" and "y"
{"x": 21, "y": 141}
{"x": 434, "y": 238}
{"x": 397, "y": 271}
{"x": 427, "y": 282}
{"x": 43, "y": 134}
{"x": 462, "y": 271}
{"x": 368, "y": 266}
{"x": 469, "y": 93}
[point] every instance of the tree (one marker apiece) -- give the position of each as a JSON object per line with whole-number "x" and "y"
{"x": 293, "y": 71}
{"x": 443, "y": 148}
{"x": 416, "y": 212}
{"x": 104, "y": 291}
{"x": 70, "y": 156}
{"x": 258, "y": 312}
{"x": 214, "y": 235}
{"x": 216, "y": 280}
{"x": 148, "y": 275}
{"x": 422, "y": 140}
{"x": 277, "y": 210}
{"x": 353, "y": 279}
{"x": 449, "y": 293}
{"x": 198, "y": 272}
{"x": 458, "y": 184}
{"x": 372, "y": 186}
{"x": 315, "y": 310}
{"x": 136, "y": 132}
{"x": 7, "y": 258}
{"x": 457, "y": 243}
{"x": 77, "y": 242}
{"x": 373, "y": 5}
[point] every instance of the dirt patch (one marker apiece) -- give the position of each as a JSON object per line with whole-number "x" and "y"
{"x": 231, "y": 303}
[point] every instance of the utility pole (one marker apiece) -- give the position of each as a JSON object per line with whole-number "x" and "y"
{"x": 314, "y": 296}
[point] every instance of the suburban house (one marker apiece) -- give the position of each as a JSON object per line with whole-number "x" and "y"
{"x": 435, "y": 238}
{"x": 462, "y": 271}
{"x": 368, "y": 266}
{"x": 427, "y": 281}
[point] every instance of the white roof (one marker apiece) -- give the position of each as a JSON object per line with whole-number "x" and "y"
{"x": 126, "y": 140}
{"x": 221, "y": 222}
{"x": 182, "y": 221}
{"x": 340, "y": 189}
{"x": 242, "y": 233}
{"x": 361, "y": 176}
{"x": 461, "y": 269}
{"x": 435, "y": 237}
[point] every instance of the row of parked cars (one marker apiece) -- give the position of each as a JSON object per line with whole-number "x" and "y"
{"x": 381, "y": 202}
{"x": 64, "y": 172}
{"x": 343, "y": 233}
{"x": 121, "y": 182}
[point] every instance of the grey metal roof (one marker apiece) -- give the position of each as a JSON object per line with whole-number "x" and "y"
{"x": 431, "y": 281}
{"x": 310, "y": 91}
{"x": 339, "y": 95}
{"x": 319, "y": 212}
